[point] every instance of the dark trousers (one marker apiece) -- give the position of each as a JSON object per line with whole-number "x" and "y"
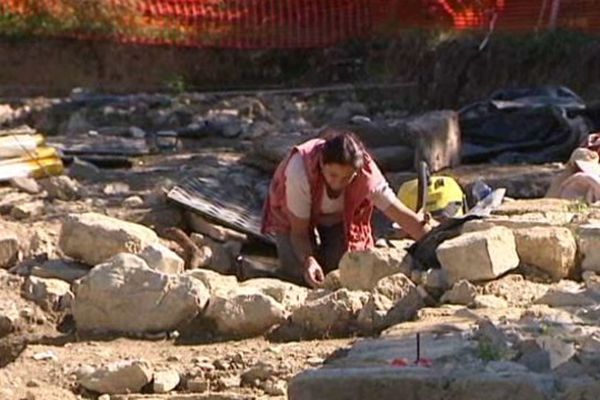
{"x": 328, "y": 252}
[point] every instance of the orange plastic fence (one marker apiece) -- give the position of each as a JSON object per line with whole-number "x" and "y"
{"x": 282, "y": 23}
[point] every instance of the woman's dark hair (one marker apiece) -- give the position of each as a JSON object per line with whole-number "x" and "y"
{"x": 342, "y": 147}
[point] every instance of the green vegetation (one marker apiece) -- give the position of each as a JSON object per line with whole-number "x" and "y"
{"x": 486, "y": 351}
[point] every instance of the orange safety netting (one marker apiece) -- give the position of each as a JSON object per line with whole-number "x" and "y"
{"x": 281, "y": 23}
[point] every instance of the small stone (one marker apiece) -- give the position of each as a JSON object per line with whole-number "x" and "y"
{"x": 27, "y": 185}
{"x": 47, "y": 293}
{"x": 9, "y": 249}
{"x": 222, "y": 365}
{"x": 261, "y": 371}
{"x": 462, "y": 293}
{"x": 435, "y": 280}
{"x": 489, "y": 301}
{"x": 245, "y": 312}
{"x": 238, "y": 359}
{"x": 231, "y": 382}
{"x": 278, "y": 388}
{"x": 533, "y": 356}
{"x": 137, "y": 133}
{"x": 116, "y": 188}
{"x": 405, "y": 297}
{"x": 45, "y": 356}
{"x": 27, "y": 210}
{"x": 61, "y": 188}
{"x": 560, "y": 351}
{"x": 33, "y": 383}
{"x": 84, "y": 170}
{"x": 197, "y": 385}
{"x": 372, "y": 317}
{"x": 165, "y": 381}
{"x": 163, "y": 259}
{"x": 314, "y": 361}
{"x": 104, "y": 397}
{"x": 331, "y": 314}
{"x": 133, "y": 202}
{"x": 117, "y": 378}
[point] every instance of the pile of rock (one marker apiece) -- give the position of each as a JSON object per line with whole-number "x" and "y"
{"x": 129, "y": 281}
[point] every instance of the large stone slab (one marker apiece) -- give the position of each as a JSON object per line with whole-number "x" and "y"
{"x": 361, "y": 270}
{"x": 94, "y": 238}
{"x": 126, "y": 295}
{"x": 386, "y": 383}
{"x": 550, "y": 249}
{"x": 589, "y": 245}
{"x": 479, "y": 256}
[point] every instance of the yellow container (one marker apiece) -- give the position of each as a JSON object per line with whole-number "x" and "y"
{"x": 443, "y": 194}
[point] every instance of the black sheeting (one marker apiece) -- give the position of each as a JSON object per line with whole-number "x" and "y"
{"x": 516, "y": 126}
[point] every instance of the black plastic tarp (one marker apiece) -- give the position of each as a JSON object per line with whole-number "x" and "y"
{"x": 516, "y": 126}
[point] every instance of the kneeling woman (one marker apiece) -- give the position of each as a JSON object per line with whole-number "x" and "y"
{"x": 329, "y": 185}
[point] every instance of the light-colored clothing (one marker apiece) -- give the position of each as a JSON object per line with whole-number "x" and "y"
{"x": 298, "y": 196}
{"x": 358, "y": 203}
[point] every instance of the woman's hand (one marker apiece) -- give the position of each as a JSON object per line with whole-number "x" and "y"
{"x": 313, "y": 273}
{"x": 429, "y": 223}
{"x": 594, "y": 142}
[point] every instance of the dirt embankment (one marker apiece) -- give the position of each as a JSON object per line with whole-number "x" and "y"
{"x": 448, "y": 69}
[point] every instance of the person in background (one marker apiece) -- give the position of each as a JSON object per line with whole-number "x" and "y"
{"x": 593, "y": 143}
{"x": 580, "y": 179}
{"x": 328, "y": 187}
